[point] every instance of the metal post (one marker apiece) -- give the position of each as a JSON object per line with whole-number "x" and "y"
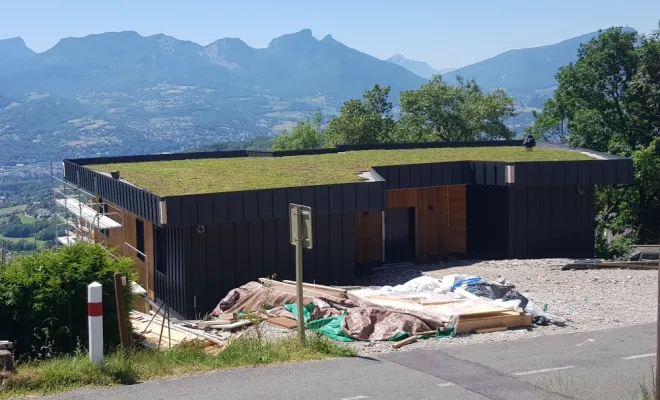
{"x": 95, "y": 321}
{"x": 299, "y": 275}
{"x": 121, "y": 310}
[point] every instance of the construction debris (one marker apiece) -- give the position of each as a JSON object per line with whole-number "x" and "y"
{"x": 639, "y": 265}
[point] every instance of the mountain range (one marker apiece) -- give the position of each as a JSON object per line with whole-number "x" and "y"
{"x": 123, "y": 93}
{"x": 420, "y": 68}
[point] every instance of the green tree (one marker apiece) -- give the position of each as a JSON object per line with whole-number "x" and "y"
{"x": 304, "y": 135}
{"x": 365, "y": 121}
{"x": 609, "y": 101}
{"x": 454, "y": 113}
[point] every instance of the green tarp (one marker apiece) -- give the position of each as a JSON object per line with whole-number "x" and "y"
{"x": 332, "y": 326}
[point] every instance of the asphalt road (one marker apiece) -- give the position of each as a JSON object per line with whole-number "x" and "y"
{"x": 601, "y": 365}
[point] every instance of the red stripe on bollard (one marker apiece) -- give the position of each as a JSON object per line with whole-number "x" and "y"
{"x": 95, "y": 309}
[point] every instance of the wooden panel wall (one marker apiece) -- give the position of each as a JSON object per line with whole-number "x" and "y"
{"x": 440, "y": 218}
{"x": 127, "y": 234}
{"x": 368, "y": 237}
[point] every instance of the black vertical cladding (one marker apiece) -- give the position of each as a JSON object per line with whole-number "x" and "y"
{"x": 425, "y": 175}
{"x": 487, "y": 221}
{"x": 336, "y": 243}
{"x": 415, "y": 176}
{"x": 376, "y": 196}
{"x": 348, "y": 248}
{"x": 265, "y": 202}
{"x": 322, "y": 244}
{"x": 256, "y": 250}
{"x": 250, "y": 206}
{"x": 205, "y": 209}
{"x": 220, "y": 209}
{"x": 280, "y": 205}
{"x": 393, "y": 181}
{"x": 457, "y": 173}
{"x": 349, "y": 197}
{"x": 199, "y": 267}
{"x": 479, "y": 172}
{"x": 447, "y": 174}
{"x": 270, "y": 246}
{"x": 362, "y": 197}
{"x": 235, "y": 206}
{"x": 308, "y": 197}
{"x": 173, "y": 204}
{"x": 186, "y": 257}
{"x": 533, "y": 222}
{"x": 215, "y": 284}
{"x": 552, "y": 221}
{"x": 336, "y": 199}
{"x": 242, "y": 231}
{"x": 322, "y": 198}
{"x": 284, "y": 263}
{"x": 189, "y": 211}
{"x": 436, "y": 175}
{"x": 228, "y": 267}
{"x": 293, "y": 195}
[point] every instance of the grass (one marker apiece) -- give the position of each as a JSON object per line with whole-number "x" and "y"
{"x": 13, "y": 209}
{"x": 16, "y": 240}
{"x": 169, "y": 178}
{"x": 75, "y": 371}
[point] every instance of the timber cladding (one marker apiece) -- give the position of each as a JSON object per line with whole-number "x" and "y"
{"x": 440, "y": 218}
{"x": 125, "y": 239}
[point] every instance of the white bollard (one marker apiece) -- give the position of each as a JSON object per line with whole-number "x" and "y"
{"x": 95, "y": 317}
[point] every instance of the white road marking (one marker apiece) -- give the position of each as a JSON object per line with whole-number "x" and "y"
{"x": 639, "y": 356}
{"x": 586, "y": 342}
{"x": 358, "y": 397}
{"x": 445, "y": 384}
{"x": 540, "y": 371}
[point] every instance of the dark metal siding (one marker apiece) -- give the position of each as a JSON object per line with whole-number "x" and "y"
{"x": 171, "y": 283}
{"x": 144, "y": 204}
{"x": 487, "y": 221}
{"x": 442, "y": 174}
{"x": 551, "y": 221}
{"x": 203, "y": 265}
{"x": 207, "y": 209}
{"x": 561, "y": 173}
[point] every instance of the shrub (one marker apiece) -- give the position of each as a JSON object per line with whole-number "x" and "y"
{"x": 43, "y": 298}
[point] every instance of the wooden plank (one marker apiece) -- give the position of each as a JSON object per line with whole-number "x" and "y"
{"x": 284, "y": 322}
{"x": 320, "y": 288}
{"x": 489, "y": 330}
{"x": 509, "y": 321}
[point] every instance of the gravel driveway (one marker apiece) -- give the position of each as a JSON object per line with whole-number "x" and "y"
{"x": 589, "y": 299}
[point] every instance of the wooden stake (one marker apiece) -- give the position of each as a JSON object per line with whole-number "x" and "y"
{"x": 121, "y": 310}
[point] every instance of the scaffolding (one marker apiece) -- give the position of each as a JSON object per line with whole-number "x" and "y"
{"x": 83, "y": 216}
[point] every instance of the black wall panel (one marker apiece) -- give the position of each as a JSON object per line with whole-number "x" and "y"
{"x": 487, "y": 221}
{"x": 551, "y": 221}
{"x": 203, "y": 265}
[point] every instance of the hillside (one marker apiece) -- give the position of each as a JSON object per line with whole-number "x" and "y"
{"x": 122, "y": 93}
{"x": 420, "y": 68}
{"x": 527, "y": 74}
{"x": 14, "y": 49}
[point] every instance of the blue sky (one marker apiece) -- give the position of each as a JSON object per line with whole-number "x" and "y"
{"x": 446, "y": 34}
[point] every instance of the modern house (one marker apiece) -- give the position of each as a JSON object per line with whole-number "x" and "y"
{"x": 199, "y": 224}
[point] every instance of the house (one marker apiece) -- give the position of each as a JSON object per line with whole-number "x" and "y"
{"x": 199, "y": 224}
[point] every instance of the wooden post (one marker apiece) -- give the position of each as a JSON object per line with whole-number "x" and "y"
{"x": 122, "y": 318}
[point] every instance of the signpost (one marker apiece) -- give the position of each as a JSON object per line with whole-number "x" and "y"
{"x": 300, "y": 218}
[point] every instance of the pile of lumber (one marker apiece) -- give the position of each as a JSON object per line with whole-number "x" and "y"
{"x": 492, "y": 321}
{"x": 641, "y": 265}
{"x": 309, "y": 289}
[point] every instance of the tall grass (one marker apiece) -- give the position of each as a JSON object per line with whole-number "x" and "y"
{"x": 137, "y": 365}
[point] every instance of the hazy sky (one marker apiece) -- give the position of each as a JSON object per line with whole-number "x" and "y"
{"x": 444, "y": 33}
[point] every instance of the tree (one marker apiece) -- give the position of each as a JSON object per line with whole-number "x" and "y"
{"x": 365, "y": 121}
{"x": 609, "y": 101}
{"x": 304, "y": 135}
{"x": 454, "y": 113}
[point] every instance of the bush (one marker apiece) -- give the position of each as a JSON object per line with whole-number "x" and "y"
{"x": 43, "y": 298}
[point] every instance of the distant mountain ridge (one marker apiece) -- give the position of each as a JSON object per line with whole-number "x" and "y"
{"x": 14, "y": 49}
{"x": 123, "y": 93}
{"x": 420, "y": 68}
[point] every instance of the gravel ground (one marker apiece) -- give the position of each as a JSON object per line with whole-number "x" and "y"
{"x": 589, "y": 299}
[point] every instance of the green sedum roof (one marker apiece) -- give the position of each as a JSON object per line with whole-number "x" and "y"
{"x": 170, "y": 178}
